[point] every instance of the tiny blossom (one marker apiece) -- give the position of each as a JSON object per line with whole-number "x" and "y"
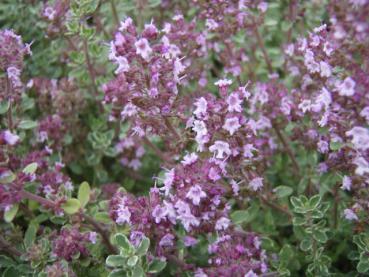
{"x": 222, "y": 224}
{"x": 324, "y": 99}
{"x": 168, "y": 181}
{"x": 234, "y": 103}
{"x": 92, "y": 236}
{"x": 362, "y": 166}
{"x": 167, "y": 240}
{"x": 9, "y": 137}
{"x": 251, "y": 274}
{"x": 286, "y": 106}
{"x": 150, "y": 30}
{"x": 214, "y": 174}
{"x": 128, "y": 111}
{"x": 320, "y": 28}
{"x": 159, "y": 213}
{"x": 189, "y": 159}
{"x": 68, "y": 186}
{"x": 360, "y": 137}
{"x": 125, "y": 24}
{"x": 290, "y": 49}
{"x": 201, "y": 107}
{"x": 248, "y": 150}
{"x": 190, "y": 241}
{"x": 263, "y": 6}
{"x": 365, "y": 113}
{"x": 347, "y": 87}
{"x": 232, "y": 125}
{"x": 178, "y": 69}
{"x": 200, "y": 273}
{"x": 235, "y": 187}
{"x": 143, "y": 48}
{"x": 350, "y": 215}
{"x": 325, "y": 69}
{"x": 220, "y": 148}
{"x": 305, "y": 105}
{"x": 195, "y": 194}
{"x": 199, "y": 127}
{"x": 49, "y": 13}
{"x": 256, "y": 183}
{"x": 223, "y": 83}
{"x": 211, "y": 24}
{"x": 188, "y": 220}
{"x": 123, "y": 213}
{"x": 123, "y": 65}
{"x": 346, "y": 183}
{"x": 323, "y": 146}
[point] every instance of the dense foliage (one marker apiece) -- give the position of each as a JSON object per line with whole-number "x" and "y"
{"x": 184, "y": 138}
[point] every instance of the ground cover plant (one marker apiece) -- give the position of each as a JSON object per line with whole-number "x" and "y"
{"x": 184, "y": 138}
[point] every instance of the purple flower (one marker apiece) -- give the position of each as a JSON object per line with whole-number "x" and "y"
{"x": 143, "y": 48}
{"x": 201, "y": 107}
{"x": 222, "y": 224}
{"x": 167, "y": 240}
{"x": 360, "y": 137}
{"x": 256, "y": 183}
{"x": 189, "y": 241}
{"x": 347, "y": 87}
{"x": 92, "y": 237}
{"x": 189, "y": 159}
{"x": 123, "y": 213}
{"x": 234, "y": 103}
{"x": 346, "y": 183}
{"x": 70, "y": 243}
{"x": 232, "y": 125}
{"x": 159, "y": 213}
{"x": 9, "y": 137}
{"x": 220, "y": 148}
{"x": 195, "y": 194}
{"x": 350, "y": 215}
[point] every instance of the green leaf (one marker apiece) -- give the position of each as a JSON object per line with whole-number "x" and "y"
{"x": 118, "y": 273}
{"x": 283, "y": 191}
{"x": 84, "y": 193}
{"x": 4, "y": 106}
{"x": 306, "y": 244}
{"x": 11, "y": 272}
{"x": 31, "y": 168}
{"x": 298, "y": 221}
{"x": 115, "y": 261}
{"x": 102, "y": 217}
{"x": 363, "y": 266}
{"x": 143, "y": 247}
{"x": 122, "y": 241}
{"x": 296, "y": 202}
{"x": 6, "y": 261}
{"x": 30, "y": 235}
{"x": 336, "y": 145}
{"x": 286, "y": 254}
{"x": 7, "y": 177}
{"x": 27, "y": 124}
{"x": 315, "y": 201}
{"x": 245, "y": 216}
{"x": 320, "y": 236}
{"x": 156, "y": 266}
{"x": 138, "y": 272}
{"x": 132, "y": 261}
{"x": 286, "y": 25}
{"x": 11, "y": 213}
{"x": 71, "y": 206}
{"x": 317, "y": 214}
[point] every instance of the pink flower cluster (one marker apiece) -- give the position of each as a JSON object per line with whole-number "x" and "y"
{"x": 12, "y": 52}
